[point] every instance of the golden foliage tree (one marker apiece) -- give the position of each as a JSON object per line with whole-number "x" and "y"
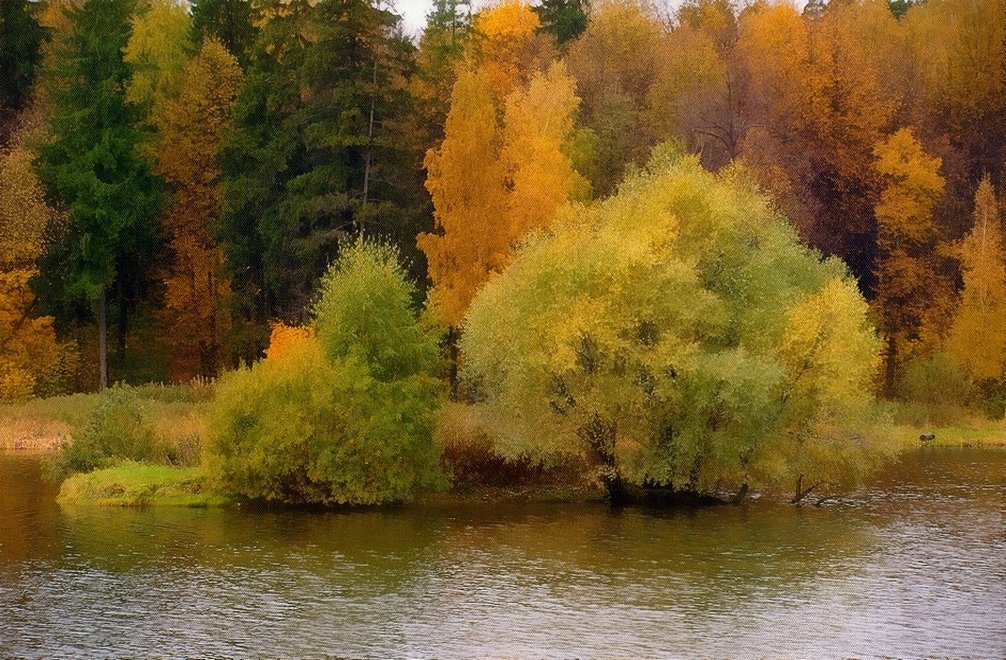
{"x": 959, "y": 47}
{"x": 191, "y": 129}
{"x": 466, "y": 182}
{"x": 507, "y": 45}
{"x": 908, "y": 283}
{"x": 157, "y": 52}
{"x": 977, "y": 340}
{"x": 491, "y": 185}
{"x": 31, "y": 360}
{"x": 540, "y": 176}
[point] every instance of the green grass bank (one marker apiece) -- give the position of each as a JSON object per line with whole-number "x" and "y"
{"x": 140, "y": 485}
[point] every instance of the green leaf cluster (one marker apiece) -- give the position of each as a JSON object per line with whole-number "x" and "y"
{"x": 677, "y": 334}
{"x": 119, "y": 429}
{"x": 344, "y": 417}
{"x": 91, "y": 167}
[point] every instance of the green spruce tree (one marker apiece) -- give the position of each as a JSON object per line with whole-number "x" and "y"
{"x": 21, "y": 39}
{"x": 91, "y": 169}
{"x": 317, "y": 152}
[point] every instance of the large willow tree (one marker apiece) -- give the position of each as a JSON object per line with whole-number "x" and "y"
{"x": 678, "y": 334}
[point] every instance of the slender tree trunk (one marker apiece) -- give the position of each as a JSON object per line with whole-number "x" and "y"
{"x": 452, "y": 351}
{"x": 103, "y": 339}
{"x": 891, "y": 359}
{"x": 802, "y": 492}
{"x": 122, "y": 327}
{"x": 370, "y": 143}
{"x": 210, "y": 366}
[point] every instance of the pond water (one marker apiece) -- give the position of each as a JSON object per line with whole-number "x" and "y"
{"x": 913, "y": 566}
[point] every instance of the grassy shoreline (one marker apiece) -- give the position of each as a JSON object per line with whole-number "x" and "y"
{"x": 979, "y": 433}
{"x": 132, "y": 484}
{"x": 41, "y": 427}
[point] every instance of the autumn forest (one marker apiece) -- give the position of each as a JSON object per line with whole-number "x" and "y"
{"x": 709, "y": 247}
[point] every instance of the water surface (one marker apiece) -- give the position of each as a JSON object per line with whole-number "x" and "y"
{"x": 914, "y": 566}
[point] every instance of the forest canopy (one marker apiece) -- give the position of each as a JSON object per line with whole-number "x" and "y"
{"x": 695, "y": 242}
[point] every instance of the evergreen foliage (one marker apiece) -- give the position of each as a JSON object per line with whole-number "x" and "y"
{"x": 21, "y": 39}
{"x": 228, "y": 21}
{"x": 564, "y": 19}
{"x": 314, "y": 155}
{"x": 90, "y": 168}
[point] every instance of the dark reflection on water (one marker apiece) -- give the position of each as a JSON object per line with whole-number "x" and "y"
{"x": 915, "y": 566}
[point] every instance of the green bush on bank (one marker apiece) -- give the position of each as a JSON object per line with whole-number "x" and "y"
{"x": 341, "y": 416}
{"x": 935, "y": 391}
{"x": 932, "y": 391}
{"x": 118, "y": 428}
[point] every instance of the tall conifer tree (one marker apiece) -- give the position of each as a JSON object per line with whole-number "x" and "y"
{"x": 314, "y": 155}
{"x": 91, "y": 169}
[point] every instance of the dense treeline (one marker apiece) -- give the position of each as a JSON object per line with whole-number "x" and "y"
{"x": 176, "y": 179}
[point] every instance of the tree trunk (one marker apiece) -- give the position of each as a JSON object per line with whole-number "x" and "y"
{"x": 891, "y": 358}
{"x": 452, "y": 352}
{"x": 102, "y": 339}
{"x": 370, "y": 143}
{"x": 600, "y": 439}
{"x": 802, "y": 492}
{"x": 122, "y": 326}
{"x": 212, "y": 356}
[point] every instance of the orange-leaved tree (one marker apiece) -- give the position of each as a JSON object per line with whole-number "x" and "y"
{"x": 908, "y": 282}
{"x": 977, "y": 340}
{"x": 191, "y": 128}
{"x": 816, "y": 108}
{"x": 507, "y": 45}
{"x": 466, "y": 183}
{"x": 491, "y": 184}
{"x": 286, "y": 339}
{"x": 32, "y": 361}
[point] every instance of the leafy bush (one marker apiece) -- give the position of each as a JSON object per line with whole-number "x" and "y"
{"x": 990, "y": 395}
{"x": 344, "y": 415}
{"x": 933, "y": 390}
{"x": 118, "y": 429}
{"x": 470, "y": 458}
{"x": 678, "y": 334}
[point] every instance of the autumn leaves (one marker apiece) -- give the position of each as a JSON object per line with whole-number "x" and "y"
{"x": 207, "y": 166}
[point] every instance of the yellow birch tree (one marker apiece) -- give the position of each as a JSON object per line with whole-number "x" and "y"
{"x": 977, "y": 340}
